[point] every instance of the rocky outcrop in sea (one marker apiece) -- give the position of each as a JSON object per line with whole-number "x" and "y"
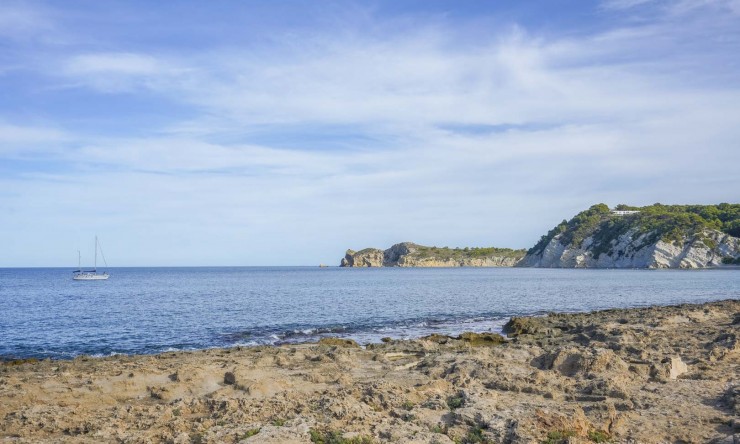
{"x": 409, "y": 254}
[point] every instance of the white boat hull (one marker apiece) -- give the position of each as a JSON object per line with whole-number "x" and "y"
{"x": 90, "y": 277}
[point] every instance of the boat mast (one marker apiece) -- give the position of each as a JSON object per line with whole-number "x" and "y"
{"x": 95, "y": 267}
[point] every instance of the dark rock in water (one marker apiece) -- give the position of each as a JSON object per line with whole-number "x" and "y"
{"x": 339, "y": 342}
{"x": 537, "y": 328}
{"x": 229, "y": 378}
{"x": 19, "y": 361}
{"x": 477, "y": 339}
{"x": 521, "y": 326}
{"x": 474, "y": 339}
{"x": 439, "y": 339}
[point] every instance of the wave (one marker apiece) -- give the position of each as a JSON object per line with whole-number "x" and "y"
{"x": 366, "y": 332}
{"x": 363, "y": 332}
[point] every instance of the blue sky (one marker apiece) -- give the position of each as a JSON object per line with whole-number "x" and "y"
{"x": 283, "y": 133}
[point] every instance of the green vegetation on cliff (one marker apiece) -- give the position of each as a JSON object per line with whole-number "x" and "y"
{"x": 670, "y": 223}
{"x": 444, "y": 253}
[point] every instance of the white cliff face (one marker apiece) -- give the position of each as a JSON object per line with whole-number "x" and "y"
{"x": 369, "y": 257}
{"x": 697, "y": 253}
{"x": 495, "y": 261}
{"x": 633, "y": 250}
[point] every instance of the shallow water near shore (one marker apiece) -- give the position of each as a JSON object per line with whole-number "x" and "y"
{"x": 44, "y": 313}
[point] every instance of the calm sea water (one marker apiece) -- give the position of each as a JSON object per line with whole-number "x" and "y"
{"x": 44, "y": 313}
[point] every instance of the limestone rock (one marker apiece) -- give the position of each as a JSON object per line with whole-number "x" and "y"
{"x": 633, "y": 250}
{"x": 656, "y": 236}
{"x": 369, "y": 257}
{"x": 477, "y": 339}
{"x": 572, "y": 361}
{"x": 669, "y": 369}
{"x": 527, "y": 326}
{"x": 677, "y": 368}
{"x": 339, "y": 342}
{"x": 409, "y": 254}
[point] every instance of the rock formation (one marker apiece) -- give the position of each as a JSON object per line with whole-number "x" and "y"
{"x": 369, "y": 257}
{"x": 648, "y": 375}
{"x": 408, "y": 254}
{"x": 658, "y": 236}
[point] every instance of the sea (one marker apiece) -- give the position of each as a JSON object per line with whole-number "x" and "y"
{"x": 45, "y": 314}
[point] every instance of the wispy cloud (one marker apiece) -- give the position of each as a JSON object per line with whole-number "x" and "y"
{"x": 113, "y": 63}
{"x": 20, "y": 20}
{"x": 29, "y": 140}
{"x": 676, "y": 6}
{"x": 385, "y": 134}
{"x": 120, "y": 72}
{"x": 624, "y": 4}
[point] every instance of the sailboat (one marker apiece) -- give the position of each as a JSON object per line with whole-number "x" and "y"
{"x": 90, "y": 275}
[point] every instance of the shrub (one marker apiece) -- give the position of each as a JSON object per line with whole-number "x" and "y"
{"x": 250, "y": 433}
{"x": 455, "y": 402}
{"x": 335, "y": 437}
{"x": 558, "y": 436}
{"x": 598, "y": 436}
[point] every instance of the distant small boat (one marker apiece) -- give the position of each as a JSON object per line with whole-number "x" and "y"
{"x": 90, "y": 275}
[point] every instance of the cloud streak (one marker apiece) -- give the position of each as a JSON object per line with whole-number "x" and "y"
{"x": 311, "y": 143}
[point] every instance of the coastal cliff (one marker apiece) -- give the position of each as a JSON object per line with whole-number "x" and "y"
{"x": 657, "y": 236}
{"x": 408, "y": 254}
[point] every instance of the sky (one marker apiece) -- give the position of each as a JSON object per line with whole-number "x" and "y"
{"x": 283, "y": 133}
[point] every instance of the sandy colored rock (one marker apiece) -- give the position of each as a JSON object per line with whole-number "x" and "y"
{"x": 339, "y": 342}
{"x": 678, "y": 368}
{"x": 649, "y": 375}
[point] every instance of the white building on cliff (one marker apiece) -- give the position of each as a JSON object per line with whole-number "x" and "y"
{"x": 624, "y": 212}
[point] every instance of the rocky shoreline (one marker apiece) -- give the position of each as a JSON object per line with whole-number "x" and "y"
{"x": 647, "y": 375}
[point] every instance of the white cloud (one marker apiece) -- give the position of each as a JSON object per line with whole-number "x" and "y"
{"x": 121, "y": 72}
{"x": 113, "y": 63}
{"x": 20, "y": 20}
{"x": 460, "y": 144}
{"x": 688, "y": 6}
{"x": 624, "y": 4}
{"x": 676, "y": 6}
{"x": 27, "y": 140}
